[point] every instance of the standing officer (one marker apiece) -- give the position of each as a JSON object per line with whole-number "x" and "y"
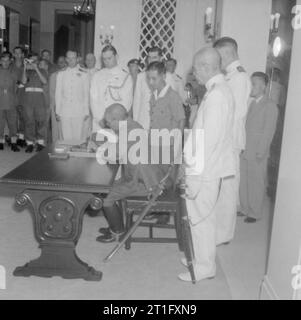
{"x": 55, "y": 125}
{"x": 240, "y": 85}
{"x": 8, "y": 113}
{"x": 17, "y": 67}
{"x": 72, "y": 99}
{"x": 142, "y": 96}
{"x": 215, "y": 119}
{"x": 260, "y": 127}
{"x": 109, "y": 85}
{"x": 34, "y": 79}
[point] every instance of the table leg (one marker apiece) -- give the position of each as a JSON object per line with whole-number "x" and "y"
{"x": 57, "y": 218}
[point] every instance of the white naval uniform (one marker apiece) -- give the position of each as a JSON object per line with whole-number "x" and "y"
{"x": 72, "y": 102}
{"x": 215, "y": 116}
{"x": 109, "y": 86}
{"x": 88, "y": 122}
{"x": 141, "y": 103}
{"x": 228, "y": 203}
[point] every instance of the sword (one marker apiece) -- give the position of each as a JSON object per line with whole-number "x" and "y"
{"x": 156, "y": 192}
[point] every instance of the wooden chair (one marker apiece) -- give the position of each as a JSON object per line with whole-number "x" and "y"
{"x": 167, "y": 202}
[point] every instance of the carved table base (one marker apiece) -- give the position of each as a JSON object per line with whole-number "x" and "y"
{"x": 57, "y": 221}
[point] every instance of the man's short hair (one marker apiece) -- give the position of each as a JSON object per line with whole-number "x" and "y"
{"x": 225, "y": 42}
{"x": 157, "y": 66}
{"x": 6, "y": 55}
{"x": 263, "y": 76}
{"x": 45, "y": 50}
{"x": 109, "y": 47}
{"x": 73, "y": 51}
{"x": 155, "y": 49}
{"x": 134, "y": 61}
{"x": 18, "y": 48}
{"x": 33, "y": 54}
{"x": 172, "y": 60}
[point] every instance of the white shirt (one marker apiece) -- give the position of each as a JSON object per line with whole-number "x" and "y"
{"x": 110, "y": 86}
{"x": 91, "y": 72}
{"x": 141, "y": 104}
{"x": 215, "y": 117}
{"x": 72, "y": 93}
{"x": 240, "y": 85}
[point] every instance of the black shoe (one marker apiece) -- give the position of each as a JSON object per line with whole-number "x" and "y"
{"x": 1, "y": 146}
{"x": 40, "y": 147}
{"x": 163, "y": 218}
{"x": 29, "y": 148}
{"x": 93, "y": 213}
{"x": 104, "y": 230}
{"x": 21, "y": 143}
{"x": 109, "y": 237}
{"x": 240, "y": 214}
{"x": 14, "y": 147}
{"x": 250, "y": 220}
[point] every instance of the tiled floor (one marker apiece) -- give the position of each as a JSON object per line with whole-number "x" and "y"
{"x": 145, "y": 272}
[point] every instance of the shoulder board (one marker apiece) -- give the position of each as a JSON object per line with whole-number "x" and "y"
{"x": 82, "y": 70}
{"x": 240, "y": 69}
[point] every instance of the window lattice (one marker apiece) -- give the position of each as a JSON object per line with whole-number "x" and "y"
{"x": 158, "y": 20}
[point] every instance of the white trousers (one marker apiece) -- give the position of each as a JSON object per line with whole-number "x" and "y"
{"x": 95, "y": 125}
{"x": 203, "y": 226}
{"x": 73, "y": 128}
{"x": 227, "y": 204}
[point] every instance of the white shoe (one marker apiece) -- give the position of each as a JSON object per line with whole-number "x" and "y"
{"x": 184, "y": 262}
{"x": 198, "y": 276}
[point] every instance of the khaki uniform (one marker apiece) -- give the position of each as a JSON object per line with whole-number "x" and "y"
{"x": 72, "y": 102}
{"x": 215, "y": 117}
{"x": 19, "y": 101}
{"x": 138, "y": 178}
{"x": 35, "y": 108}
{"x": 260, "y": 129}
{"x": 109, "y": 86}
{"x": 8, "y": 112}
{"x": 228, "y": 203}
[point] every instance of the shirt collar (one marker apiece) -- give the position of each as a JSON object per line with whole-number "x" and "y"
{"x": 215, "y": 79}
{"x": 162, "y": 93}
{"x": 259, "y": 98}
{"x": 233, "y": 66}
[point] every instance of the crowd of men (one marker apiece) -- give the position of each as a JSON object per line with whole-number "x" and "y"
{"x": 73, "y": 99}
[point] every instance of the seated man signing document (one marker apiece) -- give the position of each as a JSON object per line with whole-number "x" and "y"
{"x": 137, "y": 179}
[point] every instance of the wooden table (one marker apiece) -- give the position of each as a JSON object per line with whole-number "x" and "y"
{"x": 57, "y": 192}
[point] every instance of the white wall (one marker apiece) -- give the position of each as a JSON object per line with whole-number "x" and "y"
{"x": 125, "y": 16}
{"x": 248, "y": 23}
{"x": 189, "y": 32}
{"x": 286, "y": 232}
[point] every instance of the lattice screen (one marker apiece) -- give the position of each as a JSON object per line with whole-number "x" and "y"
{"x": 158, "y": 18}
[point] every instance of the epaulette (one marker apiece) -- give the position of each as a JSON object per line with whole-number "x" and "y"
{"x": 240, "y": 69}
{"x": 82, "y": 69}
